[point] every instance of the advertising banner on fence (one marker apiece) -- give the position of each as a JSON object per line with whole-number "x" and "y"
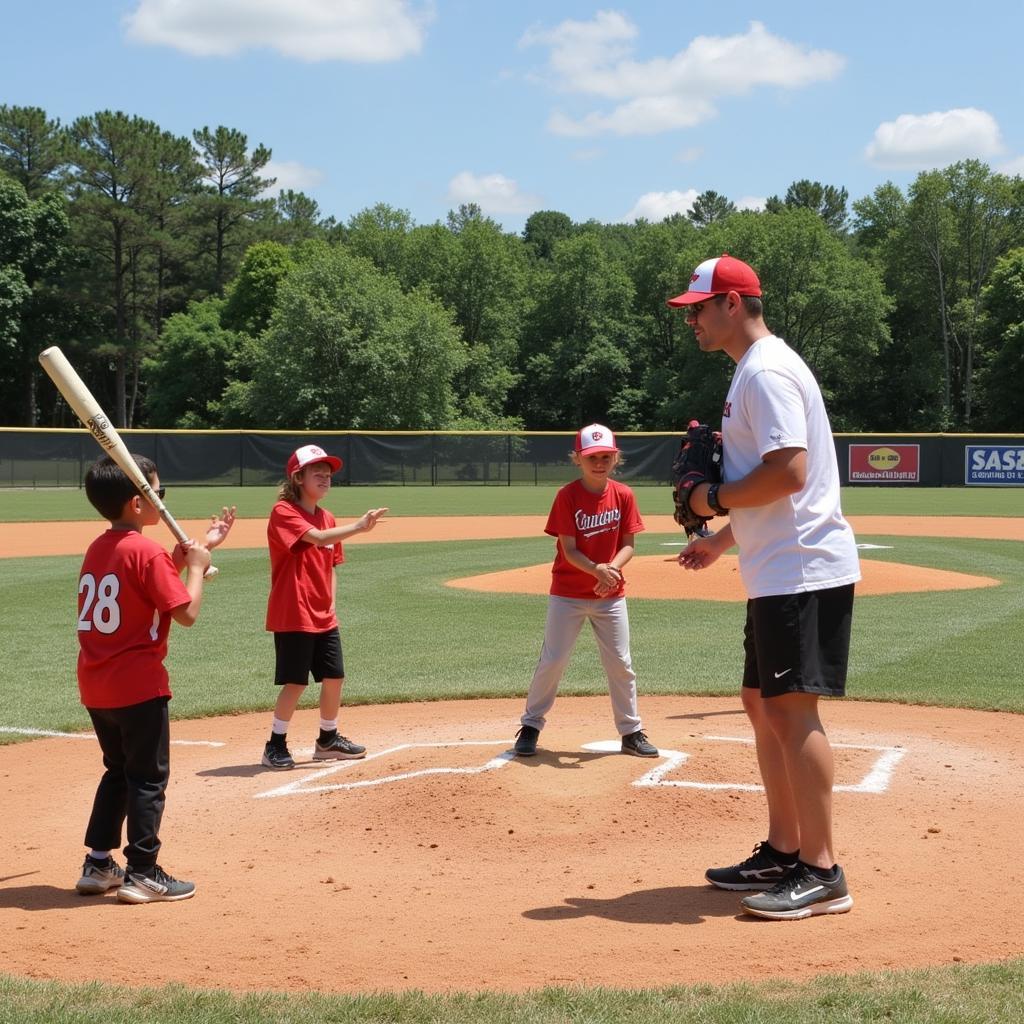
{"x": 885, "y": 463}
{"x": 994, "y": 465}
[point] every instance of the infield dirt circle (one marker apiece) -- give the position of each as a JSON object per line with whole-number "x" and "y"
{"x": 442, "y": 863}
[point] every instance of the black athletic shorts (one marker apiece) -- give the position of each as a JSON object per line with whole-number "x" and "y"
{"x": 298, "y": 654}
{"x": 798, "y": 643}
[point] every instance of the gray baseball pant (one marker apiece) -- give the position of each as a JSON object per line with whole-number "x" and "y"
{"x": 610, "y": 623}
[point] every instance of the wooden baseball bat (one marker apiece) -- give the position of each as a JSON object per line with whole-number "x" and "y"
{"x": 95, "y": 420}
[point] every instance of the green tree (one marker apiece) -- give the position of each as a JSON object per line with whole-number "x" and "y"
{"x": 544, "y": 229}
{"x": 252, "y": 294}
{"x": 710, "y": 206}
{"x": 297, "y": 217}
{"x": 380, "y": 233}
{"x": 577, "y": 364}
{"x": 32, "y": 148}
{"x": 33, "y": 249}
{"x": 1000, "y": 402}
{"x": 347, "y": 348}
{"x": 189, "y": 369}
{"x": 114, "y": 161}
{"x": 231, "y": 203}
{"x": 827, "y": 201}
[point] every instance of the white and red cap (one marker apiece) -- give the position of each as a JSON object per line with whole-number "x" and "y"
{"x": 717, "y": 276}
{"x": 595, "y": 439}
{"x": 309, "y": 453}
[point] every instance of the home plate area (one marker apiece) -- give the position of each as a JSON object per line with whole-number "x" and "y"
{"x": 441, "y": 862}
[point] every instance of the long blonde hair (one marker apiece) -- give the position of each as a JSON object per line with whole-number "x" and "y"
{"x": 291, "y": 488}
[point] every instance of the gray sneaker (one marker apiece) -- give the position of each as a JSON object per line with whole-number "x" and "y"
{"x": 759, "y": 871}
{"x": 800, "y": 894}
{"x": 99, "y": 877}
{"x": 153, "y": 885}
{"x": 526, "y": 741}
{"x": 638, "y": 744}
{"x": 339, "y": 749}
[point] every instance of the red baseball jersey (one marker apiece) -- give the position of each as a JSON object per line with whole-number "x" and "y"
{"x": 301, "y": 574}
{"x": 127, "y": 589}
{"x": 598, "y": 522}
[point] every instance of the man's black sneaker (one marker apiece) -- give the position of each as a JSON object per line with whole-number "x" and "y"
{"x": 526, "y": 741}
{"x": 800, "y": 894}
{"x": 153, "y": 885}
{"x": 277, "y": 757}
{"x": 759, "y": 871}
{"x": 638, "y": 744}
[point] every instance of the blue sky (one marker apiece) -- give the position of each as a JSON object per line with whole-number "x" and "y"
{"x": 606, "y": 111}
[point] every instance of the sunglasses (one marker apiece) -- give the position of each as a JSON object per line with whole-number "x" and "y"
{"x": 698, "y": 307}
{"x": 160, "y": 492}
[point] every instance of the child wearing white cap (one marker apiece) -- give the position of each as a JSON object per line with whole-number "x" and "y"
{"x": 305, "y": 546}
{"x": 594, "y": 520}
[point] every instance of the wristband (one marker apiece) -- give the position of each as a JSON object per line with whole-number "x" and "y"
{"x": 712, "y": 499}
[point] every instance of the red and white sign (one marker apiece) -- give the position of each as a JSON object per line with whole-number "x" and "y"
{"x": 885, "y": 463}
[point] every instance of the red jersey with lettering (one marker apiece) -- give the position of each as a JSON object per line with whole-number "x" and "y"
{"x": 127, "y": 589}
{"x": 598, "y": 522}
{"x": 301, "y": 574}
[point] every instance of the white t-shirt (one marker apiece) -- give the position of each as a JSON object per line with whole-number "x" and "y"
{"x": 800, "y": 542}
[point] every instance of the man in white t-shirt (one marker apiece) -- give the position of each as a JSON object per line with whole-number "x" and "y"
{"x": 799, "y": 564}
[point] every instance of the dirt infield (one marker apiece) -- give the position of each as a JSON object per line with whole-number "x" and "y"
{"x": 441, "y": 863}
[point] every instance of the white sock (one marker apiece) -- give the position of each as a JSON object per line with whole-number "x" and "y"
{"x": 279, "y": 728}
{"x": 99, "y": 854}
{"x": 329, "y": 726}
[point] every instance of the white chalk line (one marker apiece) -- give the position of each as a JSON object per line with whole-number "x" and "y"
{"x": 302, "y": 786}
{"x": 91, "y": 736}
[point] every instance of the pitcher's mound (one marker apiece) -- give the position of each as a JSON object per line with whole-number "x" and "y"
{"x": 659, "y": 576}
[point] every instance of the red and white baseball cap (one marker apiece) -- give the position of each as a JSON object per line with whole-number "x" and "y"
{"x": 307, "y": 454}
{"x": 595, "y": 439}
{"x": 716, "y": 277}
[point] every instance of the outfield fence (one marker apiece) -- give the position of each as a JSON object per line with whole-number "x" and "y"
{"x": 60, "y": 457}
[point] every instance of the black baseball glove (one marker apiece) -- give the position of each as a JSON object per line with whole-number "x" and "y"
{"x": 699, "y": 460}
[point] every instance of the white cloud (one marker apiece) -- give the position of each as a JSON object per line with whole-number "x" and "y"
{"x": 667, "y": 93}
{"x": 1014, "y": 167}
{"x": 292, "y": 175}
{"x": 493, "y": 193}
{"x": 309, "y": 30}
{"x": 656, "y": 206}
{"x": 915, "y": 141}
{"x": 751, "y": 203}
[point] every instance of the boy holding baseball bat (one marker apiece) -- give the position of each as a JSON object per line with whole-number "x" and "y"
{"x": 129, "y": 589}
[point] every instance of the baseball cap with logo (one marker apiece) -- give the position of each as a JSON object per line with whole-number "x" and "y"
{"x": 595, "y": 439}
{"x": 717, "y": 276}
{"x": 307, "y": 454}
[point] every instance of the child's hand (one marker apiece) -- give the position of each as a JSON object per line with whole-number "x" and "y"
{"x": 220, "y": 526}
{"x": 197, "y": 557}
{"x": 178, "y": 554}
{"x": 369, "y": 521}
{"x": 608, "y": 579}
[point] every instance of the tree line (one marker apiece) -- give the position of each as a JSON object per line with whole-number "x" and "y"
{"x": 187, "y": 298}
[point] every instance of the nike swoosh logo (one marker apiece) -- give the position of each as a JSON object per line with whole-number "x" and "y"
{"x": 779, "y": 675}
{"x": 796, "y": 894}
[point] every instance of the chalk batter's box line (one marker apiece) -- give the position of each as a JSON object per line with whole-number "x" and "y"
{"x": 302, "y": 786}
{"x": 877, "y": 780}
{"x": 91, "y": 736}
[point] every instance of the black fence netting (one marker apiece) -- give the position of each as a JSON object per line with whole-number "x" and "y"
{"x": 60, "y": 458}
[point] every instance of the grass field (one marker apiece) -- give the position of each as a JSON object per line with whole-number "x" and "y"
{"x": 56, "y": 504}
{"x": 959, "y": 648}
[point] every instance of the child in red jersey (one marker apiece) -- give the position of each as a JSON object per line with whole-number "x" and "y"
{"x": 305, "y": 546}
{"x": 595, "y": 520}
{"x": 129, "y": 589}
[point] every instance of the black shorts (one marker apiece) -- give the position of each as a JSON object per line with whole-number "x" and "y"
{"x": 298, "y": 654}
{"x": 798, "y": 643}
